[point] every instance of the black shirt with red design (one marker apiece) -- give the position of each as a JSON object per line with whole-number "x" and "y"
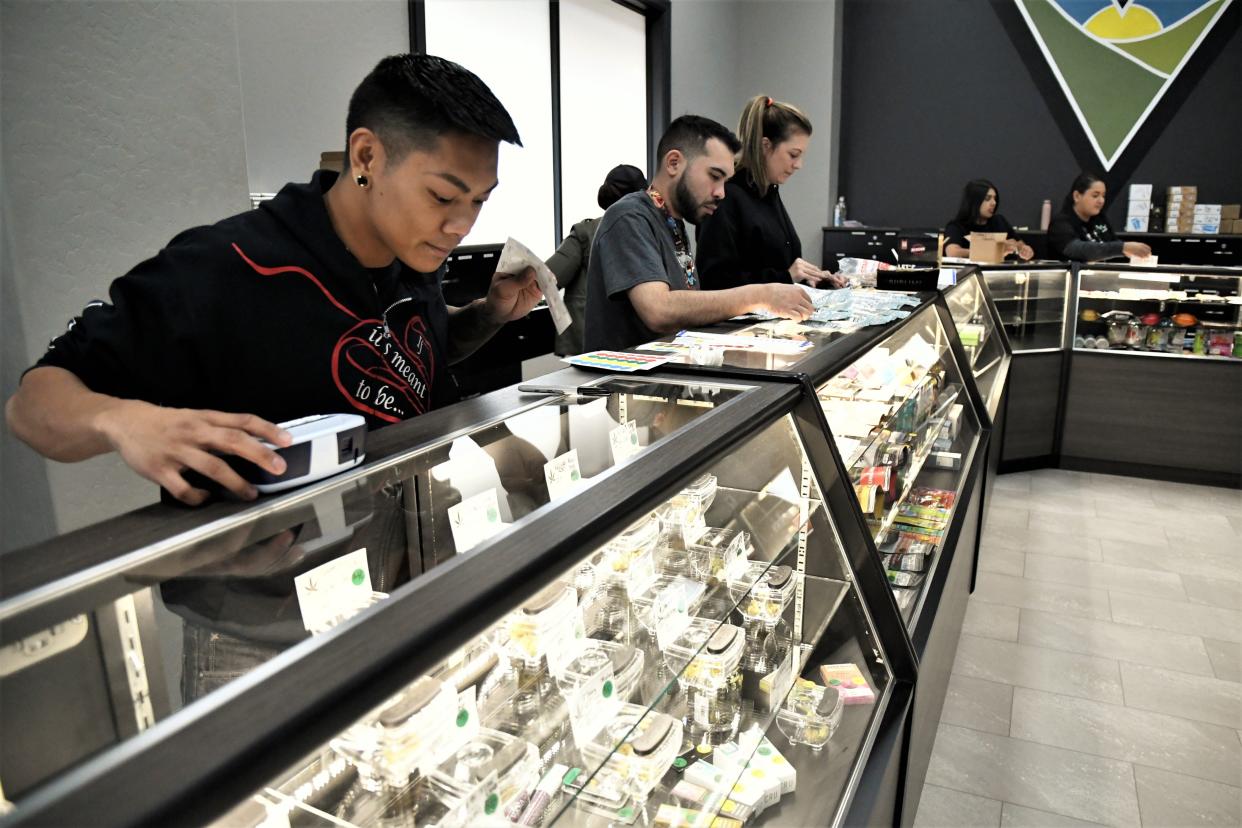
{"x": 267, "y": 313}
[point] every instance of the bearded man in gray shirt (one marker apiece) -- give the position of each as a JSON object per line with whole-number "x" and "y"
{"x": 642, "y": 282}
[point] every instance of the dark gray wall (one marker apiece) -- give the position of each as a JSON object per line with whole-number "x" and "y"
{"x": 937, "y": 93}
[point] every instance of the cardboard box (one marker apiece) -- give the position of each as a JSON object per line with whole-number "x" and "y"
{"x": 1237, "y": 226}
{"x": 1184, "y": 190}
{"x": 1140, "y": 192}
{"x": 1231, "y": 211}
{"x": 1136, "y": 224}
{"x": 987, "y": 248}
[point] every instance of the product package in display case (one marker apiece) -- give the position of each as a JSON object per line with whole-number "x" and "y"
{"x": 904, "y": 422}
{"x": 1182, "y": 311}
{"x": 584, "y": 663}
{"x": 982, "y": 335}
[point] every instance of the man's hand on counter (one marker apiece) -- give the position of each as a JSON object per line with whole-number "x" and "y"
{"x": 788, "y": 301}
{"x": 162, "y": 443}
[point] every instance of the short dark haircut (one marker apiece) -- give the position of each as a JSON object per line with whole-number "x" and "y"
{"x": 409, "y": 101}
{"x": 973, "y": 195}
{"x": 1082, "y": 183}
{"x": 690, "y": 134}
{"x": 622, "y": 179}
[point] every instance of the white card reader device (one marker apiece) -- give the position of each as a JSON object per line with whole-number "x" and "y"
{"x": 323, "y": 445}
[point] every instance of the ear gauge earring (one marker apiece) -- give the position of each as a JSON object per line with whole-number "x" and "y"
{"x": 362, "y": 181}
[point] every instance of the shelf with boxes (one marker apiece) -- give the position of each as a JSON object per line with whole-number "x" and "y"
{"x": 1180, "y": 212}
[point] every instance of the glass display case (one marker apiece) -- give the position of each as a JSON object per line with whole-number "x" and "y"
{"x": 982, "y": 336}
{"x": 907, "y": 428}
{"x": 1183, "y": 312}
{"x": 1032, "y": 303}
{"x": 644, "y": 601}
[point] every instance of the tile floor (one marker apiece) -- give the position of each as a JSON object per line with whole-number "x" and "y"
{"x": 1097, "y": 679}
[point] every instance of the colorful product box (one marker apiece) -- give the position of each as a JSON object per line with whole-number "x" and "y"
{"x": 849, "y": 681}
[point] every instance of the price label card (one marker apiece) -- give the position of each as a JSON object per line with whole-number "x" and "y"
{"x": 474, "y": 520}
{"x": 592, "y": 704}
{"x": 334, "y": 590}
{"x": 624, "y": 441}
{"x": 562, "y": 474}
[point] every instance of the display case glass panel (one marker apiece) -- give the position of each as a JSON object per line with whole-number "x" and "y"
{"x": 1181, "y": 312}
{"x": 984, "y": 344}
{"x": 1032, "y": 305}
{"x": 703, "y": 663}
{"x": 132, "y": 641}
{"x": 907, "y": 432}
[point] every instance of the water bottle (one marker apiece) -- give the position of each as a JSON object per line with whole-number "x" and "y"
{"x": 1045, "y": 215}
{"x": 838, "y": 213}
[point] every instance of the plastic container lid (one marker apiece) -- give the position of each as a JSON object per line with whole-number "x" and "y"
{"x": 704, "y": 488}
{"x": 636, "y": 748}
{"x": 763, "y": 591}
{"x": 719, "y": 552}
{"x": 810, "y": 714}
{"x": 707, "y": 653}
{"x": 542, "y": 623}
{"x": 622, "y": 664}
{"x": 413, "y": 730}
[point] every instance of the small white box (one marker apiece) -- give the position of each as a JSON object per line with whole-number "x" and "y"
{"x": 1137, "y": 224}
{"x": 1206, "y": 227}
{"x": 1139, "y": 207}
{"x": 1140, "y": 192}
{"x": 1211, "y": 210}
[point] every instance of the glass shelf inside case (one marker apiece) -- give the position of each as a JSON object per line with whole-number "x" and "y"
{"x": 1160, "y": 312}
{"x": 907, "y": 432}
{"x": 647, "y": 684}
{"x": 165, "y": 625}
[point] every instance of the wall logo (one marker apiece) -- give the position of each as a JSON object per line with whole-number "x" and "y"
{"x": 1116, "y": 58}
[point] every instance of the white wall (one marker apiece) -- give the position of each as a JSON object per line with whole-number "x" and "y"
{"x": 727, "y": 51}
{"x": 123, "y": 124}
{"x": 299, "y": 63}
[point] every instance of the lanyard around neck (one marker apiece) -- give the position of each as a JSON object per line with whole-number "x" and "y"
{"x": 677, "y": 229}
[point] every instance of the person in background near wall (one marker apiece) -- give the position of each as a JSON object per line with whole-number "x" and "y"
{"x": 642, "y": 279}
{"x": 324, "y": 300}
{"x": 1081, "y": 233}
{"x": 750, "y": 239}
{"x": 571, "y": 259}
{"x": 978, "y": 214}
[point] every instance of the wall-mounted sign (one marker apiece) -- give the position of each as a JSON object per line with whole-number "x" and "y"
{"x": 1115, "y": 59}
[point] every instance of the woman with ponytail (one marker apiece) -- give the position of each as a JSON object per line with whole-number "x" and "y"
{"x": 1081, "y": 232}
{"x": 750, "y": 239}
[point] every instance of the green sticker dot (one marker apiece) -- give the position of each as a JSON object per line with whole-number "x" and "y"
{"x": 608, "y": 689}
{"x": 573, "y": 475}
{"x": 765, "y": 751}
{"x": 626, "y": 812}
{"x": 634, "y": 438}
{"x": 835, "y": 682}
{"x": 679, "y": 763}
{"x": 492, "y": 515}
{"x": 463, "y": 716}
{"x": 490, "y": 805}
{"x": 691, "y": 817}
{"x": 358, "y": 577}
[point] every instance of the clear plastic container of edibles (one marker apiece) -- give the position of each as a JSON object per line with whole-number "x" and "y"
{"x": 707, "y": 653}
{"x": 543, "y": 623}
{"x": 763, "y": 591}
{"x": 635, "y": 749}
{"x": 667, "y": 596}
{"x": 610, "y": 661}
{"x": 719, "y": 552}
{"x": 811, "y": 714}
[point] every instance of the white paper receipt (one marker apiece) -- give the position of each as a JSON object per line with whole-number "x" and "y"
{"x": 624, "y": 441}
{"x": 563, "y": 474}
{"x": 515, "y": 258}
{"x": 474, "y": 520}
{"x": 334, "y": 590}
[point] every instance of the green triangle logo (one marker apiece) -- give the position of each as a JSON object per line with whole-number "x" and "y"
{"x": 1115, "y": 59}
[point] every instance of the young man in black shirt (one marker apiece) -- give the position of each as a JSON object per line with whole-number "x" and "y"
{"x": 324, "y": 300}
